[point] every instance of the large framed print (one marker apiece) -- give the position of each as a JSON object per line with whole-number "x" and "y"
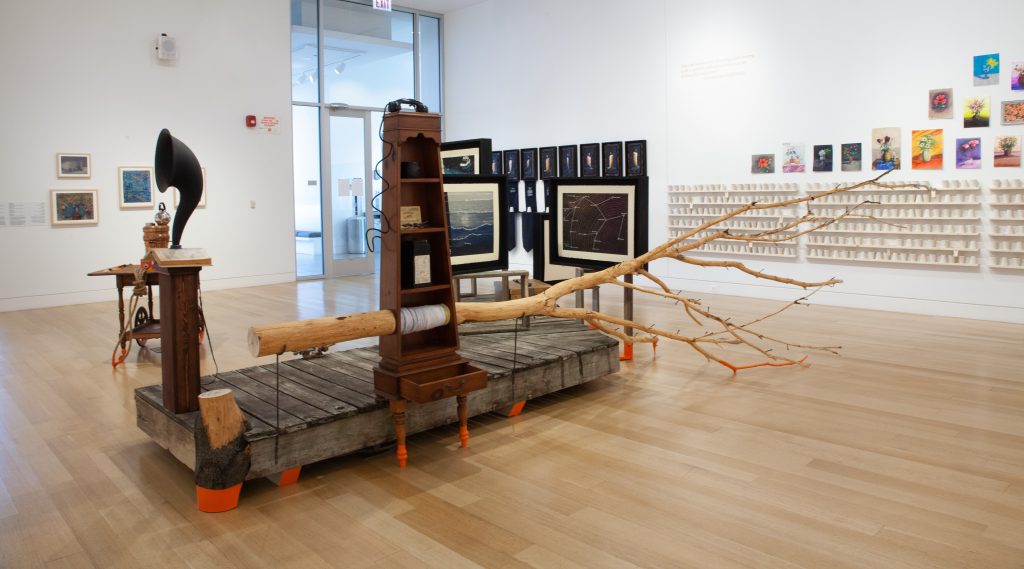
{"x": 476, "y": 208}
{"x": 74, "y": 207}
{"x": 511, "y": 164}
{"x": 567, "y": 161}
{"x": 590, "y": 160}
{"x": 598, "y": 223}
{"x": 543, "y": 269}
{"x": 135, "y": 187}
{"x": 548, "y": 162}
{"x": 466, "y": 157}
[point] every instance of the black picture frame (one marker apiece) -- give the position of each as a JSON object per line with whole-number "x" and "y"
{"x": 636, "y": 157}
{"x": 511, "y": 164}
{"x": 496, "y": 164}
{"x": 547, "y": 162}
{"x": 543, "y": 269}
{"x": 582, "y": 234}
{"x": 528, "y": 160}
{"x": 568, "y": 161}
{"x": 590, "y": 160}
{"x": 490, "y": 253}
{"x": 611, "y": 159}
{"x": 466, "y": 157}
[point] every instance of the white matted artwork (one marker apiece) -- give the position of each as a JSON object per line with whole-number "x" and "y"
{"x": 202, "y": 198}
{"x": 74, "y": 207}
{"x": 135, "y": 187}
{"x": 73, "y": 165}
{"x": 598, "y": 223}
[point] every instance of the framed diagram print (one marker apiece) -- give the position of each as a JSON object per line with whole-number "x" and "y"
{"x": 598, "y": 223}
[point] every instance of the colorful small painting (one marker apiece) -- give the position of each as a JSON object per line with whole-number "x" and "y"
{"x": 1013, "y": 112}
{"x": 940, "y": 104}
{"x": 762, "y": 164}
{"x": 1007, "y": 151}
{"x": 1017, "y": 77}
{"x": 968, "y": 153}
{"x": 885, "y": 151}
{"x": 851, "y": 157}
{"x": 73, "y": 207}
{"x": 792, "y": 158}
{"x": 986, "y": 69}
{"x": 976, "y": 112}
{"x": 926, "y": 150}
{"x": 136, "y": 187}
{"x": 822, "y": 158}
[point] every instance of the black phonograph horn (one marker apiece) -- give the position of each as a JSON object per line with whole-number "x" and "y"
{"x": 177, "y": 166}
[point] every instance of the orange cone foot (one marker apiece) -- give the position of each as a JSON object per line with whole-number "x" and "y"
{"x": 214, "y": 501}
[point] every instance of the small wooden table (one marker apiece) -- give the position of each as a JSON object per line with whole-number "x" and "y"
{"x": 145, "y": 325}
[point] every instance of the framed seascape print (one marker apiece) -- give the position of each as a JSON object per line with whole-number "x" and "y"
{"x": 74, "y": 207}
{"x": 543, "y": 269}
{"x": 636, "y": 157}
{"x": 528, "y": 158}
{"x": 1013, "y": 112}
{"x": 926, "y": 149}
{"x": 466, "y": 157}
{"x": 496, "y": 169}
{"x": 590, "y": 160}
{"x": 511, "y": 164}
{"x": 611, "y": 159}
{"x": 567, "y": 161}
{"x": 598, "y": 223}
{"x": 74, "y": 165}
{"x": 548, "y": 162}
{"x": 762, "y": 163}
{"x": 135, "y": 187}
{"x": 1007, "y": 152}
{"x": 476, "y": 208}
{"x": 202, "y": 198}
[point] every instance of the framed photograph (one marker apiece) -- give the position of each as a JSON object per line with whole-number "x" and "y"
{"x": 636, "y": 157}
{"x": 567, "y": 161}
{"x": 135, "y": 187}
{"x": 466, "y": 157}
{"x": 511, "y": 164}
{"x": 528, "y": 157}
{"x": 1013, "y": 112}
{"x": 548, "y": 162}
{"x": 590, "y": 160}
{"x": 543, "y": 269}
{"x": 74, "y": 207}
{"x": 611, "y": 159}
{"x": 202, "y": 198}
{"x": 476, "y": 209}
{"x": 74, "y": 165}
{"x": 598, "y": 223}
{"x": 496, "y": 169}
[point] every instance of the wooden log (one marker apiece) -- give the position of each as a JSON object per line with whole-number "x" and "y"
{"x": 304, "y": 334}
{"x": 223, "y": 454}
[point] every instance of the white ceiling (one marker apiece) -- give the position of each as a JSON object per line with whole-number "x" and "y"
{"x": 437, "y": 6}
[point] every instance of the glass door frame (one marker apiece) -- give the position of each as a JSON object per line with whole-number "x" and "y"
{"x": 345, "y": 267}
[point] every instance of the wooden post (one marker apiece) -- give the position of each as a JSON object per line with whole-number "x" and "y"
{"x": 223, "y": 455}
{"x": 179, "y": 337}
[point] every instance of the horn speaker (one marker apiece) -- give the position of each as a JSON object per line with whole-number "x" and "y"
{"x": 176, "y": 166}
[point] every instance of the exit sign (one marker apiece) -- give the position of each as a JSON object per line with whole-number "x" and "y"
{"x": 382, "y": 5}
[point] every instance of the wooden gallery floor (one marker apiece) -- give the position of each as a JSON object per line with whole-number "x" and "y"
{"x": 907, "y": 451}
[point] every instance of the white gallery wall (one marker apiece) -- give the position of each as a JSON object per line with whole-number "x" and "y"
{"x": 83, "y": 77}
{"x": 531, "y": 73}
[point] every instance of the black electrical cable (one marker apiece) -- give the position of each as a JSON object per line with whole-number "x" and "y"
{"x": 389, "y": 150}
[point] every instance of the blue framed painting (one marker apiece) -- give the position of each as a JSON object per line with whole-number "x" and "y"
{"x": 136, "y": 187}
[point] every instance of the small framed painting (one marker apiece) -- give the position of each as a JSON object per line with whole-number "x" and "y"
{"x": 590, "y": 160}
{"x": 496, "y": 168}
{"x": 1013, "y": 112}
{"x": 528, "y": 156}
{"x": 1007, "y": 152}
{"x": 202, "y": 198}
{"x": 611, "y": 159}
{"x": 511, "y": 164}
{"x": 466, "y": 157}
{"x": 548, "y": 162}
{"x": 822, "y": 158}
{"x": 940, "y": 103}
{"x": 977, "y": 111}
{"x": 762, "y": 163}
{"x": 567, "y": 161}
{"x": 74, "y": 165}
{"x": 636, "y": 157}
{"x": 136, "y": 187}
{"x": 850, "y": 157}
{"x": 74, "y": 207}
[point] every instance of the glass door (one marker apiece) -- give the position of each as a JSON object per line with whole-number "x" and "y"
{"x": 348, "y": 172}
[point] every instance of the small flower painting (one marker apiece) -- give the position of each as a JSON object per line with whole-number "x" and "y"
{"x": 1007, "y": 151}
{"x": 822, "y": 158}
{"x": 851, "y": 160}
{"x": 940, "y": 104}
{"x": 968, "y": 153}
{"x": 1017, "y": 77}
{"x": 986, "y": 69}
{"x": 762, "y": 164}
{"x": 976, "y": 112}
{"x": 885, "y": 150}
{"x": 792, "y": 158}
{"x": 926, "y": 150}
{"x": 1013, "y": 112}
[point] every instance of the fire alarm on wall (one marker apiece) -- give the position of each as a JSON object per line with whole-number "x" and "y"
{"x": 250, "y": 121}
{"x": 166, "y": 48}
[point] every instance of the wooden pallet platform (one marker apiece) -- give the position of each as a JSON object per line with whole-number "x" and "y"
{"x": 328, "y": 407}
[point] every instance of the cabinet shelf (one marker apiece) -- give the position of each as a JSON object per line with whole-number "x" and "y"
{"x": 425, "y": 289}
{"x": 420, "y": 180}
{"x": 421, "y": 230}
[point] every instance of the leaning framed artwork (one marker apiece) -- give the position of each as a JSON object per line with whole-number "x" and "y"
{"x": 590, "y": 160}
{"x": 496, "y": 169}
{"x": 528, "y": 158}
{"x": 543, "y": 269}
{"x": 476, "y": 209}
{"x": 636, "y": 157}
{"x": 598, "y": 223}
{"x": 511, "y": 164}
{"x": 548, "y": 162}
{"x": 74, "y": 207}
{"x": 74, "y": 165}
{"x": 567, "y": 161}
{"x": 135, "y": 187}
{"x": 466, "y": 157}
{"x": 611, "y": 159}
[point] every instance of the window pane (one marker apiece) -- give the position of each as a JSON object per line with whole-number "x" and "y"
{"x": 430, "y": 62}
{"x": 309, "y": 259}
{"x": 368, "y": 57}
{"x": 304, "y": 52}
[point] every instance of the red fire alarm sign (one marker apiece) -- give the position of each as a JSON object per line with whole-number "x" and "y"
{"x": 250, "y": 121}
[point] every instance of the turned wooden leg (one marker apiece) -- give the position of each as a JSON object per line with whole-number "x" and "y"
{"x": 397, "y": 407}
{"x": 463, "y": 421}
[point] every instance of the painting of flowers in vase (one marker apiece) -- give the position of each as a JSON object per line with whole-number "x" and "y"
{"x": 792, "y": 158}
{"x": 851, "y": 157}
{"x": 986, "y": 69}
{"x": 926, "y": 149}
{"x": 976, "y": 112}
{"x": 968, "y": 153}
{"x": 940, "y": 104}
{"x": 1017, "y": 77}
{"x": 1013, "y": 112}
{"x": 1007, "y": 151}
{"x": 822, "y": 158}
{"x": 762, "y": 164}
{"x": 885, "y": 150}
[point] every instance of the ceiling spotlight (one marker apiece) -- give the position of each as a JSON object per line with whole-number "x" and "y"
{"x": 339, "y": 68}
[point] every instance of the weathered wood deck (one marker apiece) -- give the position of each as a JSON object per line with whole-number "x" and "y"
{"x": 328, "y": 407}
